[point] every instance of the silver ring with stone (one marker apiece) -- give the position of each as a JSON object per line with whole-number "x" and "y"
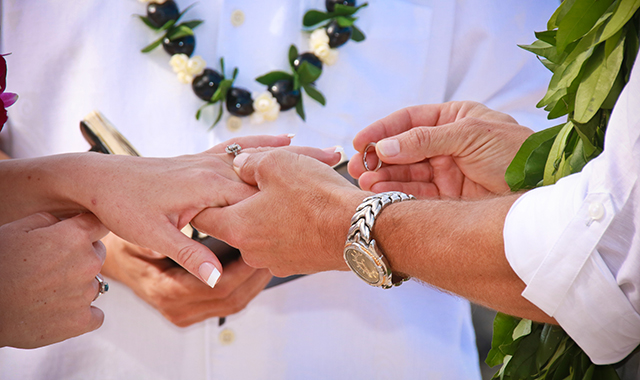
{"x": 364, "y": 158}
{"x": 103, "y": 286}
{"x": 234, "y": 149}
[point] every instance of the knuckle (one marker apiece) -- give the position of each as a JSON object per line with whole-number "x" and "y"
{"x": 187, "y": 256}
{"x": 419, "y": 137}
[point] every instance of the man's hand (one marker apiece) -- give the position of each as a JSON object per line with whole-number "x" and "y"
{"x": 296, "y": 223}
{"x": 47, "y": 276}
{"x": 174, "y": 292}
{"x": 450, "y": 150}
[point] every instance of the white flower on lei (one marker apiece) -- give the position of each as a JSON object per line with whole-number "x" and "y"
{"x": 265, "y": 108}
{"x": 187, "y": 68}
{"x": 319, "y": 45}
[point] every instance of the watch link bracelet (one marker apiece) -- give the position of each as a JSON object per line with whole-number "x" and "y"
{"x": 360, "y": 251}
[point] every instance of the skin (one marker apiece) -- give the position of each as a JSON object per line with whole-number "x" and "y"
{"x": 178, "y": 296}
{"x": 458, "y": 155}
{"x": 145, "y": 201}
{"x": 48, "y": 280}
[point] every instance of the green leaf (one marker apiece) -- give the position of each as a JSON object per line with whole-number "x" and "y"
{"x": 273, "y": 76}
{"x": 300, "y": 109}
{"x": 152, "y": 45}
{"x": 293, "y": 54}
{"x": 147, "y": 22}
{"x": 192, "y": 24}
{"x": 587, "y": 133}
{"x": 308, "y": 73}
{"x": 544, "y": 49}
{"x": 221, "y": 92}
{"x": 314, "y": 94}
{"x": 522, "y": 363}
{"x": 548, "y": 36}
{"x": 220, "y": 110}
{"x": 522, "y": 329}
{"x": 345, "y": 10}
{"x": 356, "y": 34}
{"x": 503, "y": 326}
{"x": 179, "y": 32}
{"x": 556, "y": 155}
{"x": 235, "y": 74}
{"x": 621, "y": 15}
{"x": 345, "y": 21}
{"x": 527, "y": 167}
{"x": 550, "y": 339}
{"x": 296, "y": 81}
{"x": 185, "y": 11}
{"x": 314, "y": 17}
{"x": 199, "y": 113}
{"x": 600, "y": 74}
{"x": 548, "y": 64}
{"x": 167, "y": 25}
{"x": 580, "y": 18}
{"x": 559, "y": 14}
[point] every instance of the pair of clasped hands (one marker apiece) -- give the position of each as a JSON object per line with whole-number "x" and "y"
{"x": 284, "y": 207}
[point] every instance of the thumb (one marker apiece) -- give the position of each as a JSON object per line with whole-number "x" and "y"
{"x": 245, "y": 165}
{"x": 419, "y": 143}
{"x": 191, "y": 255}
{"x": 35, "y": 221}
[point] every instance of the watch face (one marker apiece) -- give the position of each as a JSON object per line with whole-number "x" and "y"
{"x": 362, "y": 265}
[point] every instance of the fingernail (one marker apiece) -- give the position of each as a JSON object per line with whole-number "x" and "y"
{"x": 389, "y": 147}
{"x": 209, "y": 272}
{"x": 240, "y": 159}
{"x": 339, "y": 149}
{"x": 335, "y": 149}
{"x": 291, "y": 135}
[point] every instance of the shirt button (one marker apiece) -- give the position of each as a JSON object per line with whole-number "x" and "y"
{"x": 234, "y": 123}
{"x": 596, "y": 210}
{"x": 227, "y": 337}
{"x": 237, "y": 17}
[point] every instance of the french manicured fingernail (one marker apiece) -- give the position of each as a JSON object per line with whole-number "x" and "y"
{"x": 335, "y": 149}
{"x": 240, "y": 159}
{"x": 209, "y": 272}
{"x": 291, "y": 135}
{"x": 389, "y": 147}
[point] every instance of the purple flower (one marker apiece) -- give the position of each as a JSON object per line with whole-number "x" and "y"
{"x": 6, "y": 98}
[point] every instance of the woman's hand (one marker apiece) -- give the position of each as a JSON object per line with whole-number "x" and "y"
{"x": 174, "y": 292}
{"x": 450, "y": 150}
{"x": 47, "y": 276}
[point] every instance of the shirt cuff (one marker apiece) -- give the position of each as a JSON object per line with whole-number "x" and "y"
{"x": 551, "y": 237}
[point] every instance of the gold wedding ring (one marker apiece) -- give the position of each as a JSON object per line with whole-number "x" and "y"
{"x": 364, "y": 158}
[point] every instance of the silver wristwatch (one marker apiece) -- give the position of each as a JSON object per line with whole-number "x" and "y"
{"x": 360, "y": 251}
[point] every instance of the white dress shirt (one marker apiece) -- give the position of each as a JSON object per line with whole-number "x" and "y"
{"x": 576, "y": 243}
{"x": 69, "y": 58}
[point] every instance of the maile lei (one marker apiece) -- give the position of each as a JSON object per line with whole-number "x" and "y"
{"x": 328, "y": 31}
{"x": 590, "y": 46}
{"x": 6, "y": 98}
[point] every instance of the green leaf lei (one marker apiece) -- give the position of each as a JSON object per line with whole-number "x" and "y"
{"x": 590, "y": 46}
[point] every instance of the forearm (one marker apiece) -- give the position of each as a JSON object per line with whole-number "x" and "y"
{"x": 456, "y": 246}
{"x": 57, "y": 184}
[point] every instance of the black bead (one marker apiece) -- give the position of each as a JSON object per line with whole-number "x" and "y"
{"x": 331, "y": 3}
{"x": 239, "y": 102}
{"x": 159, "y": 14}
{"x": 307, "y": 57}
{"x": 284, "y": 93}
{"x": 206, "y": 84}
{"x": 182, "y": 45}
{"x": 338, "y": 35}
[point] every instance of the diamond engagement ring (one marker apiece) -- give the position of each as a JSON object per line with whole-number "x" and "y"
{"x": 234, "y": 149}
{"x": 103, "y": 286}
{"x": 364, "y": 158}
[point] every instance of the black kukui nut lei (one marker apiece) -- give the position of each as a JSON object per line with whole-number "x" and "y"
{"x": 330, "y": 4}
{"x": 284, "y": 93}
{"x": 206, "y": 84}
{"x": 239, "y": 102}
{"x": 159, "y": 14}
{"x": 307, "y": 57}
{"x": 338, "y": 35}
{"x": 182, "y": 45}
